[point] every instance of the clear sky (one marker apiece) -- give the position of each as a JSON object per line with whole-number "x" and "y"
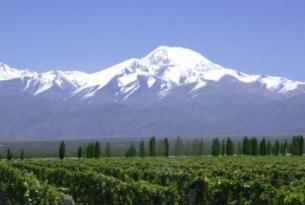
{"x": 252, "y": 36}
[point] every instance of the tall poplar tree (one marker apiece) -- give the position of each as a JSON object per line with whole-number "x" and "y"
{"x": 276, "y": 148}
{"x": 97, "y": 150}
{"x": 230, "y": 147}
{"x": 246, "y": 146}
{"x": 166, "y": 147}
{"x": 215, "y": 147}
{"x": 79, "y": 152}
{"x": 9, "y": 155}
{"x": 263, "y": 147}
{"x": 131, "y": 152}
{"x": 90, "y": 150}
{"x": 62, "y": 150}
{"x": 297, "y": 146}
{"x": 152, "y": 147}
{"x": 254, "y": 146}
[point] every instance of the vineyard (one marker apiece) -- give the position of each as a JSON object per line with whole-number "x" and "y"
{"x": 173, "y": 180}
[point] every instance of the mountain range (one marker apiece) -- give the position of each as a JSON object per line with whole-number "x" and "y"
{"x": 172, "y": 91}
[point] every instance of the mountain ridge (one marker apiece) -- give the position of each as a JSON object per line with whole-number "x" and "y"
{"x": 171, "y": 91}
{"x": 188, "y": 65}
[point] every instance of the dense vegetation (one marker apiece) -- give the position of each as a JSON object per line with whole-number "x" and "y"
{"x": 159, "y": 180}
{"x": 161, "y": 171}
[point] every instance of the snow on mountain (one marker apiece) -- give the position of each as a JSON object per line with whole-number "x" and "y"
{"x": 174, "y": 66}
{"x": 8, "y": 73}
{"x": 177, "y": 66}
{"x": 280, "y": 85}
{"x": 44, "y": 81}
{"x": 78, "y": 78}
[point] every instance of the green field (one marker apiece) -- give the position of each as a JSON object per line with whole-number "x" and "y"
{"x": 174, "y": 180}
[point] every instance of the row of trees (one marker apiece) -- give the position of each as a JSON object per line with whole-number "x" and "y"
{"x": 297, "y": 145}
{"x": 254, "y": 147}
{"x": 161, "y": 147}
{"x": 152, "y": 148}
{"x": 93, "y": 150}
{"x": 248, "y": 146}
{"x": 225, "y": 147}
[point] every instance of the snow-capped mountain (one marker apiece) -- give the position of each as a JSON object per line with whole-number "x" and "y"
{"x": 173, "y": 66}
{"x": 171, "y": 91}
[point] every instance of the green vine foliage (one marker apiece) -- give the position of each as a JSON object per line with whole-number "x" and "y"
{"x": 160, "y": 180}
{"x": 24, "y": 188}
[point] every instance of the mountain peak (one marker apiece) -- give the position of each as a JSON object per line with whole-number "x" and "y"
{"x": 4, "y": 67}
{"x": 175, "y": 50}
{"x": 8, "y": 73}
{"x": 175, "y": 55}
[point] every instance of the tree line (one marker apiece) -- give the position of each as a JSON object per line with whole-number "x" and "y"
{"x": 225, "y": 147}
{"x": 253, "y": 146}
{"x": 164, "y": 147}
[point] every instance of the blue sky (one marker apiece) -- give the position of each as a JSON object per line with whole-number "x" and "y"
{"x": 253, "y": 36}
